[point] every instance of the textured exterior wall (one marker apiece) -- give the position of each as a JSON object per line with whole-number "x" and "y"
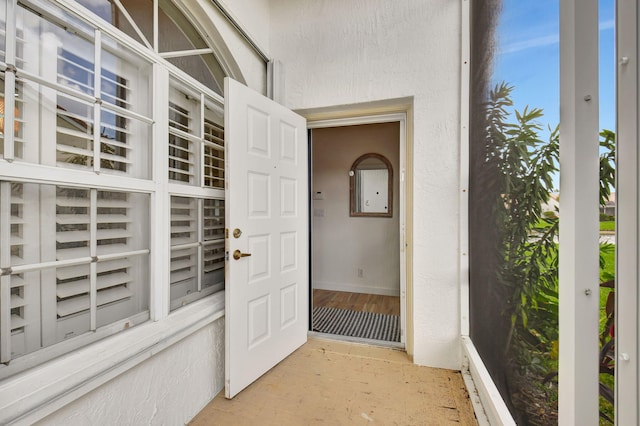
{"x": 353, "y": 51}
{"x": 170, "y": 388}
{"x": 253, "y": 15}
{"x": 344, "y": 244}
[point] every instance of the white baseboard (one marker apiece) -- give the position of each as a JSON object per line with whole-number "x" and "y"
{"x": 356, "y": 288}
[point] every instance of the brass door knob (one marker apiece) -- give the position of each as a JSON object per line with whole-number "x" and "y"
{"x": 238, "y": 254}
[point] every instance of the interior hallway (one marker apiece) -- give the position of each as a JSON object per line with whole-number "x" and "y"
{"x": 340, "y": 383}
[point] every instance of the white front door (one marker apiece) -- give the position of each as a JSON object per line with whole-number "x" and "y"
{"x": 266, "y": 277}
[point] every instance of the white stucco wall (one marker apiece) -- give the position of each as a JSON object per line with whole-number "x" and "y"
{"x": 357, "y": 51}
{"x": 344, "y": 244}
{"x": 170, "y": 388}
{"x": 253, "y": 15}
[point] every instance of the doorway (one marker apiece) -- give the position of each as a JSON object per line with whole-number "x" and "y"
{"x": 357, "y": 260}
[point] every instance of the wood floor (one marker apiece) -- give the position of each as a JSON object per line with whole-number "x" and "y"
{"x": 362, "y": 302}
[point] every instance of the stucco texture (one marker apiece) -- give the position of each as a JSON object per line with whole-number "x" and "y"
{"x": 359, "y": 51}
{"x": 169, "y": 388}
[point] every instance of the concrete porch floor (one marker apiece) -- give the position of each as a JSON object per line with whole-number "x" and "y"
{"x": 340, "y": 383}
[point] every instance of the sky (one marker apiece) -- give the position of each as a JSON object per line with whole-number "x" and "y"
{"x": 528, "y": 57}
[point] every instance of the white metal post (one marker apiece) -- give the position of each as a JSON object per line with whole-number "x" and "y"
{"x": 463, "y": 227}
{"x": 579, "y": 231}
{"x": 627, "y": 398}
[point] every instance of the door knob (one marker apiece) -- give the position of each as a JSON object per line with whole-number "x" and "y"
{"x": 238, "y": 254}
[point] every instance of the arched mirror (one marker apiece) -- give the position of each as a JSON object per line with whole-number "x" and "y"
{"x": 371, "y": 186}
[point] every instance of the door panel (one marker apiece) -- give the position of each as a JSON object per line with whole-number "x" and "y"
{"x": 266, "y": 316}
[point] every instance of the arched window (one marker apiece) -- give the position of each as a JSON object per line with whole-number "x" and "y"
{"x": 176, "y": 37}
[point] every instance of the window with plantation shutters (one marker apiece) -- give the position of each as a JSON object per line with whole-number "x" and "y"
{"x": 101, "y": 225}
{"x": 77, "y": 259}
{"x": 196, "y": 139}
{"x": 196, "y": 177}
{"x": 112, "y": 180}
{"x": 86, "y": 91}
{"x": 20, "y": 323}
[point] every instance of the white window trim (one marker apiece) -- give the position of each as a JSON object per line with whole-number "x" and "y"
{"x": 33, "y": 395}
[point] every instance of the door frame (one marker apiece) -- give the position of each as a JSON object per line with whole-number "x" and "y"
{"x": 337, "y": 119}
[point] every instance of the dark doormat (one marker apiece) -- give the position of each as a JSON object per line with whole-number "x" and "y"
{"x": 366, "y": 325}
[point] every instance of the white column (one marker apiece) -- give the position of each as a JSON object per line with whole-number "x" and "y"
{"x": 627, "y": 196}
{"x": 579, "y": 228}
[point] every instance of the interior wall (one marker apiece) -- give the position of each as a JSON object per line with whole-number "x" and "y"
{"x": 360, "y": 51}
{"x": 342, "y": 244}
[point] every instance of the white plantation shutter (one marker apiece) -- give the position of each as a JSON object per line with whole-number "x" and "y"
{"x": 196, "y": 140}
{"x": 184, "y": 246}
{"x": 98, "y": 224}
{"x": 197, "y": 248}
{"x": 182, "y": 143}
{"x": 73, "y": 239}
{"x": 213, "y": 154}
{"x": 213, "y": 245}
{"x": 75, "y": 113}
{"x": 20, "y": 318}
{"x": 76, "y": 134}
{"x": 76, "y": 260}
{"x": 196, "y": 158}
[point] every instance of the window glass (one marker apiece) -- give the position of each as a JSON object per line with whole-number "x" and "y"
{"x": 175, "y": 33}
{"x": 3, "y": 32}
{"x": 139, "y": 11}
{"x": 98, "y": 243}
{"x": 196, "y": 139}
{"x": 103, "y": 127}
{"x": 18, "y": 110}
{"x": 197, "y": 248}
{"x": 199, "y": 68}
{"x": 213, "y": 154}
